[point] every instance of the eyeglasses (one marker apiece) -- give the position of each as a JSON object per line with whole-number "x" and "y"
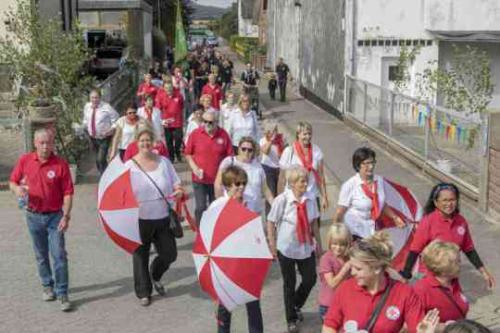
{"x": 238, "y": 184}
{"x": 208, "y": 122}
{"x": 246, "y": 150}
{"x": 372, "y": 162}
{"x": 131, "y": 112}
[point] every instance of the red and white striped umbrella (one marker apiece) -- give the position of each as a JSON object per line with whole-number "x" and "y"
{"x": 117, "y": 206}
{"x": 231, "y": 253}
{"x": 405, "y": 204}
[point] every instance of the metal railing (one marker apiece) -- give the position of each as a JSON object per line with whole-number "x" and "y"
{"x": 454, "y": 143}
{"x": 119, "y": 85}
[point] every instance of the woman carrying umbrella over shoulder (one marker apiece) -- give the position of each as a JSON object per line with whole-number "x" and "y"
{"x": 362, "y": 198}
{"x": 154, "y": 182}
{"x": 442, "y": 220}
{"x": 234, "y": 179}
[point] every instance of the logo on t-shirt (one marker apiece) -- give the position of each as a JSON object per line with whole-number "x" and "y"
{"x": 461, "y": 231}
{"x": 220, "y": 141}
{"x": 351, "y": 326}
{"x": 51, "y": 174}
{"x": 392, "y": 313}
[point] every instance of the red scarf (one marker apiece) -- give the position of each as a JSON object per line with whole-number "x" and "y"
{"x": 303, "y": 229}
{"x": 373, "y": 196}
{"x": 307, "y": 161}
{"x": 279, "y": 143}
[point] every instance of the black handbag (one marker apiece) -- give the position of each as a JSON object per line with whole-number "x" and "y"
{"x": 378, "y": 308}
{"x": 174, "y": 223}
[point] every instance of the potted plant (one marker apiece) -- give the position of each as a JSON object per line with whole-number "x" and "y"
{"x": 49, "y": 67}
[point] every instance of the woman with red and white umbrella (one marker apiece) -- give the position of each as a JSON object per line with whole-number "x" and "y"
{"x": 231, "y": 254}
{"x": 154, "y": 182}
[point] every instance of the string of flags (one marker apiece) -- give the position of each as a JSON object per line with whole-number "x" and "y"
{"x": 443, "y": 126}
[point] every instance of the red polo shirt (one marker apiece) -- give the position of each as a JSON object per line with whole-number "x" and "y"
{"x": 208, "y": 152}
{"x": 149, "y": 89}
{"x": 352, "y": 305}
{"x": 132, "y": 149}
{"x": 215, "y": 92}
{"x": 48, "y": 182}
{"x": 171, "y": 107}
{"x": 435, "y": 226}
{"x": 450, "y": 301}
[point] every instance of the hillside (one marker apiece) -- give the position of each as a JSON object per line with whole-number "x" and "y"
{"x": 206, "y": 12}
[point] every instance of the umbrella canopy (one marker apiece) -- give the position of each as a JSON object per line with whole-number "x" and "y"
{"x": 405, "y": 204}
{"x": 231, "y": 253}
{"x": 117, "y": 207}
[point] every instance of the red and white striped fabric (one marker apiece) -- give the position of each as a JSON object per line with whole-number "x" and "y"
{"x": 405, "y": 204}
{"x": 117, "y": 206}
{"x": 231, "y": 253}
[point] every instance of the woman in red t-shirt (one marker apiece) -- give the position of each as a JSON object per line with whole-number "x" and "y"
{"x": 442, "y": 221}
{"x": 440, "y": 289}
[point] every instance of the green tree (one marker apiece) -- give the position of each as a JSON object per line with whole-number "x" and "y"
{"x": 49, "y": 64}
{"x": 228, "y": 23}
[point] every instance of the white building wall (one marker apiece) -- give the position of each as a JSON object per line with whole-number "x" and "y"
{"x": 246, "y": 28}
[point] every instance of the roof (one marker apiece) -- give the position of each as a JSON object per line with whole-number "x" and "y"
{"x": 88, "y": 5}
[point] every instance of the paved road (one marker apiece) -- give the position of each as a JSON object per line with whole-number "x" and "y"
{"x": 101, "y": 274}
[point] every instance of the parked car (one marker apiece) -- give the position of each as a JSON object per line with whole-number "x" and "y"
{"x": 212, "y": 41}
{"x": 106, "y": 61}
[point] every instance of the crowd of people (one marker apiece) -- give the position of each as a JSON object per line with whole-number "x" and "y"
{"x": 194, "y": 114}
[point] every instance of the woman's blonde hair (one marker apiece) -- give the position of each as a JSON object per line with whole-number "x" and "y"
{"x": 294, "y": 173}
{"x": 339, "y": 231}
{"x": 441, "y": 258}
{"x": 242, "y": 97}
{"x": 269, "y": 125}
{"x": 145, "y": 129}
{"x": 301, "y": 127}
{"x": 375, "y": 251}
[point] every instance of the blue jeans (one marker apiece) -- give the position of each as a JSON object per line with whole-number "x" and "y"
{"x": 47, "y": 239}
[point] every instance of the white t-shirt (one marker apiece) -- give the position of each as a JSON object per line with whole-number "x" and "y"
{"x": 290, "y": 158}
{"x": 156, "y": 121}
{"x": 358, "y": 215}
{"x": 284, "y": 215}
{"x": 240, "y": 125}
{"x": 226, "y": 112}
{"x": 128, "y": 134}
{"x": 272, "y": 159}
{"x": 151, "y": 205}
{"x": 253, "y": 195}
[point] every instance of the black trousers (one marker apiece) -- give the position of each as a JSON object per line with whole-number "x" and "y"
{"x": 203, "y": 196}
{"x": 295, "y": 298}
{"x": 272, "y": 175}
{"x": 272, "y": 93}
{"x": 254, "y": 317}
{"x": 282, "y": 86}
{"x": 101, "y": 147}
{"x": 158, "y": 233}
{"x": 173, "y": 136}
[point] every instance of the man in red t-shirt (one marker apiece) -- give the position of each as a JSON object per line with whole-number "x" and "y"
{"x": 42, "y": 183}
{"x": 171, "y": 104}
{"x": 146, "y": 89}
{"x": 214, "y": 90}
{"x": 206, "y": 147}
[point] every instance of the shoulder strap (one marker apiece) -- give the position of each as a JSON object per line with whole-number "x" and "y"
{"x": 378, "y": 308}
{"x": 152, "y": 182}
{"x": 444, "y": 291}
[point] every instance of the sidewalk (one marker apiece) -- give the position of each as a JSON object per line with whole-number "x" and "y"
{"x": 339, "y": 141}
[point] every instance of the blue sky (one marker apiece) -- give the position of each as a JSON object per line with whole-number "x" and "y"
{"x": 217, "y": 3}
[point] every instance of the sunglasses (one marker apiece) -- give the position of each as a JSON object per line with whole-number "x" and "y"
{"x": 131, "y": 112}
{"x": 238, "y": 184}
{"x": 246, "y": 150}
{"x": 208, "y": 122}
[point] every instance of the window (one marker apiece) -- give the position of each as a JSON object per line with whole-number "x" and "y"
{"x": 264, "y": 5}
{"x": 393, "y": 73}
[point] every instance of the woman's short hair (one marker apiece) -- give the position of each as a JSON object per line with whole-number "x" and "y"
{"x": 249, "y": 139}
{"x": 440, "y": 257}
{"x": 375, "y": 251}
{"x": 233, "y": 174}
{"x": 269, "y": 125}
{"x": 294, "y": 173}
{"x": 303, "y": 126}
{"x": 360, "y": 155}
{"x": 465, "y": 326}
{"x": 145, "y": 130}
{"x": 339, "y": 231}
{"x": 205, "y": 97}
{"x": 430, "y": 206}
{"x": 243, "y": 97}
{"x": 229, "y": 93}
